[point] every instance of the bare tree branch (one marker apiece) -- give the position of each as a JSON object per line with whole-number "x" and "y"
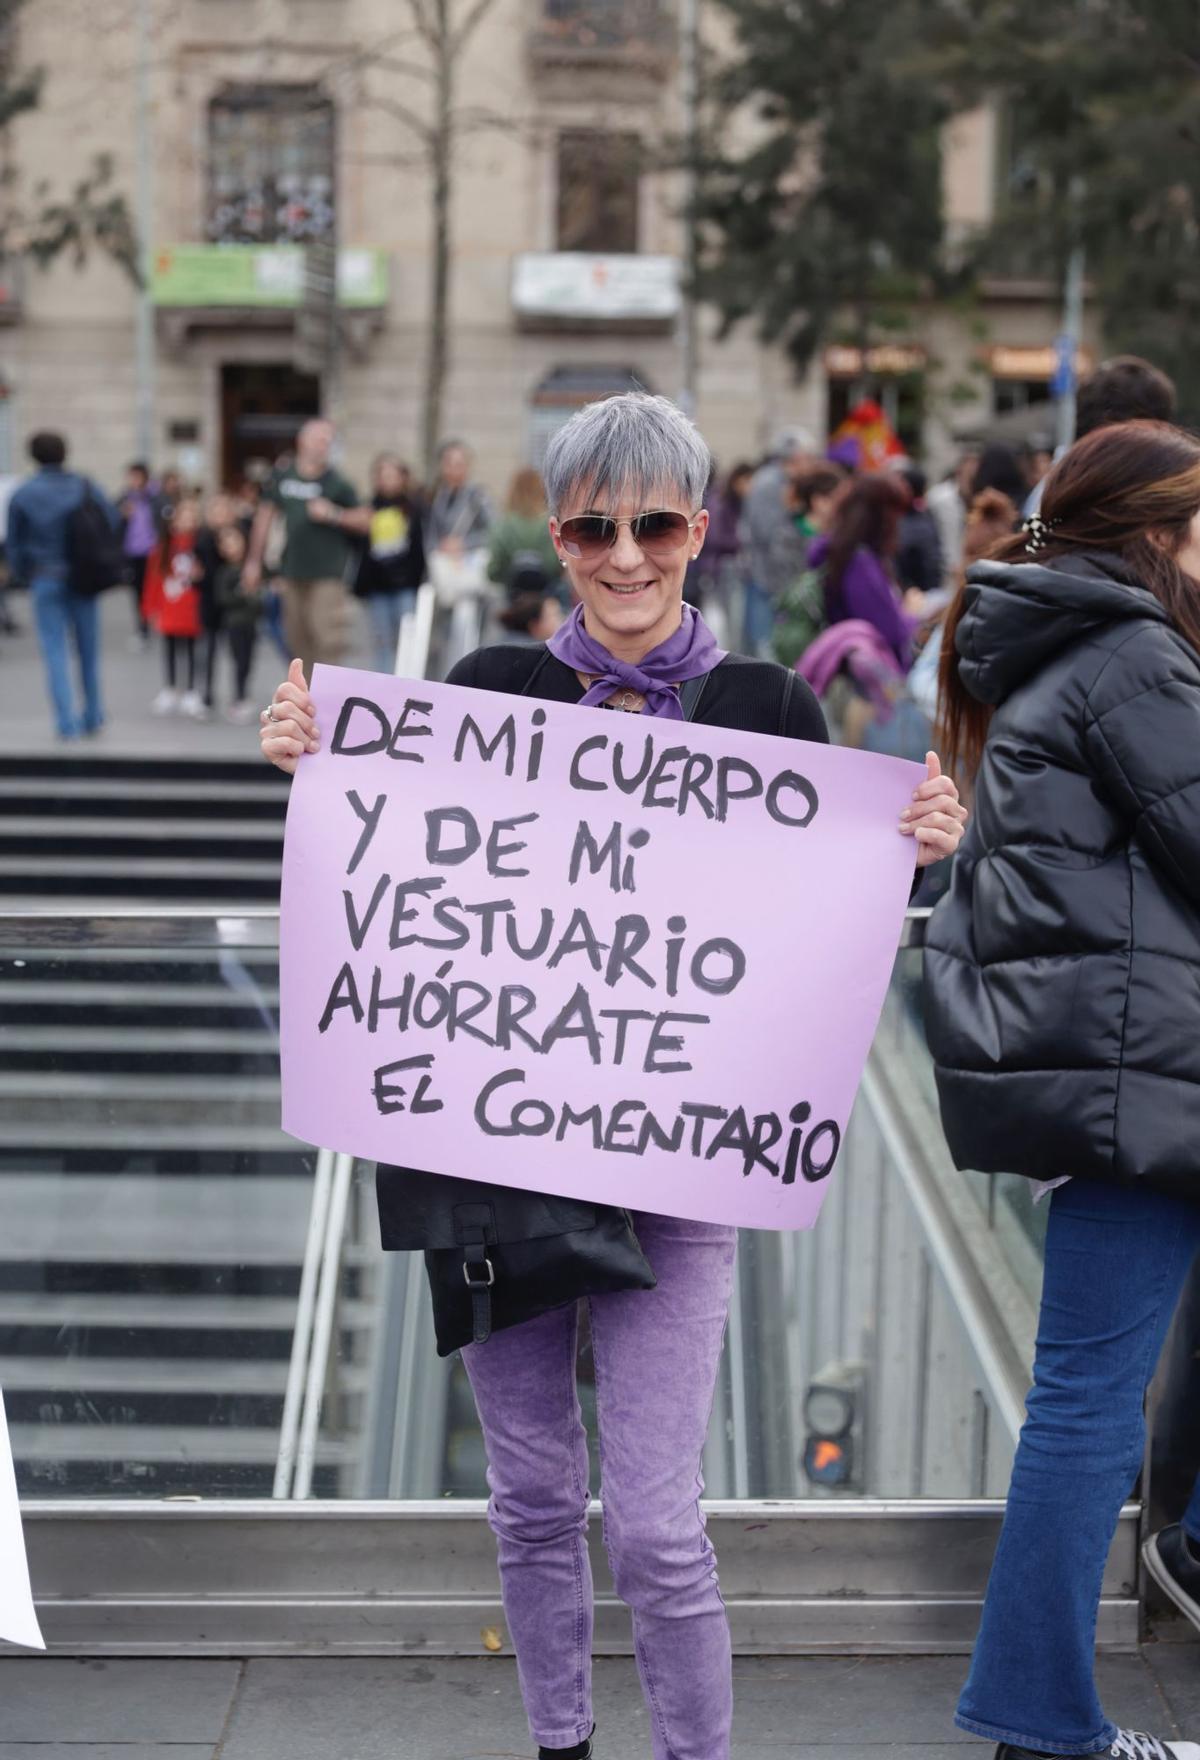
{"x": 410, "y": 69}
{"x": 369, "y": 55}
{"x": 425, "y": 24}
{"x": 424, "y": 131}
{"x": 391, "y": 161}
{"x": 470, "y": 24}
{"x": 476, "y": 119}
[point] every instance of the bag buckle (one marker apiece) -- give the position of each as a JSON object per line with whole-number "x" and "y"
{"x": 473, "y": 1283}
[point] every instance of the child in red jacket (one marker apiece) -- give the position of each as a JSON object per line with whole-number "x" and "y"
{"x": 171, "y": 605}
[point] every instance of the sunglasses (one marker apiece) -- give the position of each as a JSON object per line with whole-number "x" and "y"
{"x": 660, "y": 533}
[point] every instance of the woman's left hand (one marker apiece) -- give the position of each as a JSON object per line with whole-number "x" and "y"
{"x": 936, "y": 817}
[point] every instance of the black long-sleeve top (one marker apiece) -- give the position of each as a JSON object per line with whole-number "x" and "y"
{"x": 751, "y": 695}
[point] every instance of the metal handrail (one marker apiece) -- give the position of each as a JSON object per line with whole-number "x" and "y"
{"x": 302, "y": 1332}
{"x": 184, "y": 927}
{"x": 322, "y": 1323}
{"x": 140, "y": 928}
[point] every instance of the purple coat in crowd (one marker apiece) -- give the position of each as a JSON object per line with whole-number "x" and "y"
{"x": 868, "y": 592}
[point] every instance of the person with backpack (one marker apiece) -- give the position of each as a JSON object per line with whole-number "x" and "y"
{"x": 1063, "y": 1012}
{"x": 62, "y": 542}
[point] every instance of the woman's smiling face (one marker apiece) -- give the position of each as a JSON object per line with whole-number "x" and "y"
{"x": 632, "y": 598}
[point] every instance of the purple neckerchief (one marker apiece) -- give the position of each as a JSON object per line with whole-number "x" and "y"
{"x": 689, "y": 653}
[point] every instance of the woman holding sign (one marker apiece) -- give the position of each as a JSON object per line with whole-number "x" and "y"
{"x": 625, "y": 483}
{"x": 1063, "y": 1007}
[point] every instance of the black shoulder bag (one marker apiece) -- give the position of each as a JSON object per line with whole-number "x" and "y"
{"x": 495, "y": 1256}
{"x": 94, "y": 559}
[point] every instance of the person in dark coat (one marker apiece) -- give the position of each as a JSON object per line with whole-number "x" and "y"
{"x": 393, "y": 563}
{"x": 1063, "y": 1013}
{"x": 919, "y": 550}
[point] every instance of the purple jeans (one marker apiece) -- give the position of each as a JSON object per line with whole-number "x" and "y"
{"x": 656, "y": 1355}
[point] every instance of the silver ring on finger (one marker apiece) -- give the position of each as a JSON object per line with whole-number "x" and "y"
{"x": 269, "y": 712}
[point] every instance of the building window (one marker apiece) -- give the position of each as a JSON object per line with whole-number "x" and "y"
{"x": 600, "y": 24}
{"x": 564, "y": 390}
{"x": 1013, "y": 394}
{"x": 271, "y": 166}
{"x": 598, "y": 191}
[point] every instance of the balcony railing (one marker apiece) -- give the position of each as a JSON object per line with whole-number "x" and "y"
{"x": 626, "y": 34}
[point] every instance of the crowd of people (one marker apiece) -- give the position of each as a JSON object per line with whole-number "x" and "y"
{"x": 281, "y": 560}
{"x": 811, "y": 559}
{"x": 844, "y": 567}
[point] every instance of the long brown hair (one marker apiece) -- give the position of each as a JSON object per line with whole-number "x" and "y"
{"x": 526, "y": 496}
{"x": 1131, "y": 489}
{"x": 867, "y": 513}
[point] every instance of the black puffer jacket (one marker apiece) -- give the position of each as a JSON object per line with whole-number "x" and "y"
{"x": 1063, "y": 967}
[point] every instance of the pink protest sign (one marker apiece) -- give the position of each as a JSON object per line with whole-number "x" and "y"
{"x": 608, "y": 956}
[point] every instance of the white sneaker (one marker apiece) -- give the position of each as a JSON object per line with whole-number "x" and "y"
{"x": 243, "y": 712}
{"x": 166, "y": 702}
{"x": 193, "y": 704}
{"x": 1131, "y": 1745}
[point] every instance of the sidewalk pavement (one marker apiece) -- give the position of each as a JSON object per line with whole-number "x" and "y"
{"x": 377, "y": 1708}
{"x": 131, "y": 676}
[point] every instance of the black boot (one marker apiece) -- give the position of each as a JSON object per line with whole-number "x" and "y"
{"x": 581, "y": 1751}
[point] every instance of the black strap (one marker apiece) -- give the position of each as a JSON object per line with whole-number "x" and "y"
{"x": 527, "y": 688}
{"x": 789, "y": 685}
{"x": 690, "y": 693}
{"x": 475, "y": 1227}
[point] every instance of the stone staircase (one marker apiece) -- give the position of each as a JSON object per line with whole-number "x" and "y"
{"x": 153, "y": 1216}
{"x": 79, "y": 831}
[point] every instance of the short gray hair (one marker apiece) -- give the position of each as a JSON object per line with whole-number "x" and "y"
{"x": 632, "y": 445}
{"x": 790, "y": 441}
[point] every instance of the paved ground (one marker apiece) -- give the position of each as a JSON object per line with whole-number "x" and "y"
{"x": 377, "y": 1709}
{"x": 130, "y": 679}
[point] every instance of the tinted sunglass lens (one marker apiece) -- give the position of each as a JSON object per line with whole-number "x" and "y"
{"x": 662, "y": 531}
{"x": 587, "y": 535}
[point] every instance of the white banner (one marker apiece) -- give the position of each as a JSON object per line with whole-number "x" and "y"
{"x": 18, "y": 1621}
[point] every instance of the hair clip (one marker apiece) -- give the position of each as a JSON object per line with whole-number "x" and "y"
{"x": 1037, "y": 533}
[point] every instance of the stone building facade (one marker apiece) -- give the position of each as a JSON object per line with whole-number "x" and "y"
{"x": 281, "y": 129}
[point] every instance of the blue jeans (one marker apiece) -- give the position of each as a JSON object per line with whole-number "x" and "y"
{"x": 63, "y": 617}
{"x": 387, "y": 611}
{"x": 759, "y": 619}
{"x": 1116, "y": 1262}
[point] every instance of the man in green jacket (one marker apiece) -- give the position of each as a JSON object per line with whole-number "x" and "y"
{"x": 320, "y": 511}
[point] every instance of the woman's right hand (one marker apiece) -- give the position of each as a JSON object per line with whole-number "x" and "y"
{"x": 293, "y": 731}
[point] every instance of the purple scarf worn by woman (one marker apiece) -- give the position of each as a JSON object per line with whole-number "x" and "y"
{"x": 689, "y": 653}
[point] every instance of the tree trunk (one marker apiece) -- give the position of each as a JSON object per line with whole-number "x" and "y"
{"x": 439, "y": 300}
